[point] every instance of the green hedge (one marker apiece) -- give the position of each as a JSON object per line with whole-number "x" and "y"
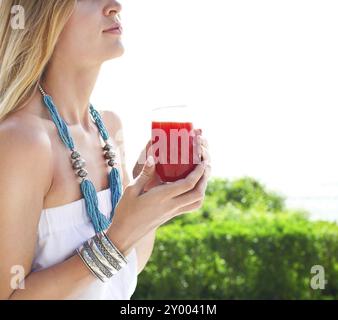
{"x": 260, "y": 256}
{"x": 244, "y": 193}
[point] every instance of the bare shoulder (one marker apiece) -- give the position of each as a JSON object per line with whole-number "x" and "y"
{"x": 24, "y": 142}
{"x": 26, "y": 132}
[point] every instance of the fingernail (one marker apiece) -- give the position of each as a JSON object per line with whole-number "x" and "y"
{"x": 150, "y": 161}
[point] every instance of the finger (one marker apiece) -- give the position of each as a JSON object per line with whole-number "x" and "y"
{"x": 144, "y": 154}
{"x": 198, "y": 132}
{"x": 202, "y": 147}
{"x": 141, "y": 160}
{"x": 203, "y": 141}
{"x": 146, "y": 175}
{"x": 155, "y": 181}
{"x": 149, "y": 144}
{"x": 205, "y": 155}
{"x": 150, "y": 149}
{"x": 197, "y": 154}
{"x": 208, "y": 171}
{"x": 197, "y": 194}
{"x": 184, "y": 185}
{"x": 191, "y": 207}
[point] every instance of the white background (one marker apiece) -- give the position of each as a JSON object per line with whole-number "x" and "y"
{"x": 262, "y": 77}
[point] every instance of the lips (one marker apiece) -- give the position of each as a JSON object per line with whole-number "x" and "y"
{"x": 116, "y": 27}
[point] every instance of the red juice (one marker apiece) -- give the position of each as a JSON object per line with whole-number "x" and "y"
{"x": 173, "y": 144}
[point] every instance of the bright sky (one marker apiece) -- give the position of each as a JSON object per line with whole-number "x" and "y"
{"x": 262, "y": 77}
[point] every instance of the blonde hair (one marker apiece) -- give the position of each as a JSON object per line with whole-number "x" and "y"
{"x": 25, "y": 53}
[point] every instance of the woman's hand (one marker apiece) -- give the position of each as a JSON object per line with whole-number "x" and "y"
{"x": 204, "y": 155}
{"x": 139, "y": 212}
{"x": 155, "y": 180}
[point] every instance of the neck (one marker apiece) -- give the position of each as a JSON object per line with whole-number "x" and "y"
{"x": 71, "y": 89}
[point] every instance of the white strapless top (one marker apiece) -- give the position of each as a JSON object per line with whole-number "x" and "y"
{"x": 63, "y": 229}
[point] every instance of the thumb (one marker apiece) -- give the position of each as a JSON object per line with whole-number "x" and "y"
{"x": 146, "y": 174}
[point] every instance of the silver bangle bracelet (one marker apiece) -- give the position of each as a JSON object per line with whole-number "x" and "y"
{"x": 101, "y": 257}
{"x": 83, "y": 254}
{"x": 113, "y": 251}
{"x": 112, "y": 261}
{"x": 107, "y": 274}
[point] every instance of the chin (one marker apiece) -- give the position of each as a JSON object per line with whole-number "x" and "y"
{"x": 116, "y": 52}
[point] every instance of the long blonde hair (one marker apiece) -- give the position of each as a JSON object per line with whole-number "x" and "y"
{"x": 25, "y": 53}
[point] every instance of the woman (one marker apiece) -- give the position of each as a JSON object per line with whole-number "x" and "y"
{"x": 43, "y": 214}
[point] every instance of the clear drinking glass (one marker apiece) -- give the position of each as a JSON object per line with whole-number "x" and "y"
{"x": 174, "y": 142}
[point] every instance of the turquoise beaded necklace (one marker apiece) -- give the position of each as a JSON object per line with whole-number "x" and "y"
{"x": 100, "y": 222}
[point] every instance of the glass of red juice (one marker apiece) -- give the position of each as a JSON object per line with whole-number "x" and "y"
{"x": 174, "y": 142}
